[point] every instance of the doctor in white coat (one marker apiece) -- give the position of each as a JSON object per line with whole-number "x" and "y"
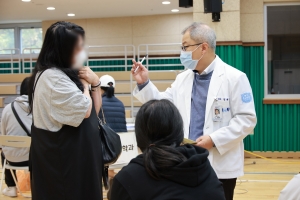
{"x": 208, "y": 84}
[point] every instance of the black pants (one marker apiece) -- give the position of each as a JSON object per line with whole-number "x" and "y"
{"x": 228, "y": 185}
{"x": 9, "y": 180}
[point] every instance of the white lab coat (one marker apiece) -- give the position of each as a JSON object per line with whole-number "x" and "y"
{"x": 234, "y": 92}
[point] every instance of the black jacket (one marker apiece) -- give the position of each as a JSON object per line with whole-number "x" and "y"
{"x": 114, "y": 112}
{"x": 193, "y": 179}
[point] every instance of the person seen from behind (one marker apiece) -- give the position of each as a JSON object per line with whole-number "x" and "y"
{"x": 165, "y": 170}
{"x": 10, "y": 126}
{"x": 112, "y": 108}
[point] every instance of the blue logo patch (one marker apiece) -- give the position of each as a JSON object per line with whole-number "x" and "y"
{"x": 246, "y": 97}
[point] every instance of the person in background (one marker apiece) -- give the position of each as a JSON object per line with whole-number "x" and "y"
{"x": 165, "y": 170}
{"x": 66, "y": 154}
{"x": 291, "y": 190}
{"x": 206, "y": 85}
{"x": 113, "y": 109}
{"x": 10, "y": 126}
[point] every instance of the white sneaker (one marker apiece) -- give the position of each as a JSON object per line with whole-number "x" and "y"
{"x": 10, "y": 192}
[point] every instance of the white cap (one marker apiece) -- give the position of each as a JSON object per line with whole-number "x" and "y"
{"x": 106, "y": 79}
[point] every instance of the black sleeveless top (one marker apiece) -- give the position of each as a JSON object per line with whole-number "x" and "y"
{"x": 67, "y": 164}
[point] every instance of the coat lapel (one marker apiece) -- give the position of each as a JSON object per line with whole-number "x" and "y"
{"x": 214, "y": 86}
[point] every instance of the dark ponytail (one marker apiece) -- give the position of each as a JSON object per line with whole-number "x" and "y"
{"x": 158, "y": 159}
{"x": 159, "y": 130}
{"x": 109, "y": 91}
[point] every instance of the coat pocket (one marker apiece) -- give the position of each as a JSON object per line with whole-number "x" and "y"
{"x": 228, "y": 162}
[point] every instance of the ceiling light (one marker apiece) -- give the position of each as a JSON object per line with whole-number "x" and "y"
{"x": 50, "y": 8}
{"x": 71, "y": 14}
{"x": 166, "y": 2}
{"x": 26, "y": 0}
{"x": 175, "y": 10}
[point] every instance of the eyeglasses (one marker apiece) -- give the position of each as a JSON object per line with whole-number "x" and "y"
{"x": 184, "y": 47}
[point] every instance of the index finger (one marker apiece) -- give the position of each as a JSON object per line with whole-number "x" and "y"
{"x": 141, "y": 66}
{"x": 83, "y": 68}
{"x": 198, "y": 139}
{"x": 134, "y": 62}
{"x": 199, "y": 144}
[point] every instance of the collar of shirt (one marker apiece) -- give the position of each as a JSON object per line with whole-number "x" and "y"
{"x": 208, "y": 69}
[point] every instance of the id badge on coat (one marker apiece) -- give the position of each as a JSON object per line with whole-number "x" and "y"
{"x": 217, "y": 112}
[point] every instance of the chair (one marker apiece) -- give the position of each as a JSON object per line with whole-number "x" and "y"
{"x": 17, "y": 142}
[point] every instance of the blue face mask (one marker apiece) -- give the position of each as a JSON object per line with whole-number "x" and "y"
{"x": 186, "y": 58}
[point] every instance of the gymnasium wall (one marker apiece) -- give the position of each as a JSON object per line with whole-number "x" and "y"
{"x": 240, "y": 36}
{"x": 241, "y": 20}
{"x": 252, "y": 19}
{"x": 132, "y": 30}
{"x": 278, "y": 127}
{"x": 229, "y": 27}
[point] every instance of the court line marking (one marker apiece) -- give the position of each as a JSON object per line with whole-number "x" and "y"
{"x": 271, "y": 173}
{"x": 265, "y": 181}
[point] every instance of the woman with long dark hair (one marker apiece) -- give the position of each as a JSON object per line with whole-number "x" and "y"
{"x": 65, "y": 156}
{"x": 165, "y": 170}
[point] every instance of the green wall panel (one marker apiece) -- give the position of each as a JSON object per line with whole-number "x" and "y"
{"x": 108, "y": 65}
{"x": 162, "y": 64}
{"x": 96, "y": 64}
{"x": 8, "y": 65}
{"x": 278, "y": 126}
{"x": 27, "y": 66}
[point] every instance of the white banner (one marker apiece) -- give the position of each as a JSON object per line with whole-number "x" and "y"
{"x": 129, "y": 149}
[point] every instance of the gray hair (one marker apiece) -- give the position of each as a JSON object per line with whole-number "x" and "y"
{"x": 202, "y": 33}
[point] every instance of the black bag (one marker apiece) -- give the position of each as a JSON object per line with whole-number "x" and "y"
{"x": 111, "y": 147}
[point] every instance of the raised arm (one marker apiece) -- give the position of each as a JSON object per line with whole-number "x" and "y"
{"x": 89, "y": 76}
{"x": 86, "y": 92}
{"x": 145, "y": 89}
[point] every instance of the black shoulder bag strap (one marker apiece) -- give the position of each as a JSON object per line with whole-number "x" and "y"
{"x": 18, "y": 119}
{"x": 36, "y": 83}
{"x": 34, "y": 86}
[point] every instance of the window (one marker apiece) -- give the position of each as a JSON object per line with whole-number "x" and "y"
{"x": 283, "y": 49}
{"x": 31, "y": 38}
{"x": 7, "y": 40}
{"x": 20, "y": 36}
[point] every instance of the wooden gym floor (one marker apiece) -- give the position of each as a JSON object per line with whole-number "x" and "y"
{"x": 262, "y": 181}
